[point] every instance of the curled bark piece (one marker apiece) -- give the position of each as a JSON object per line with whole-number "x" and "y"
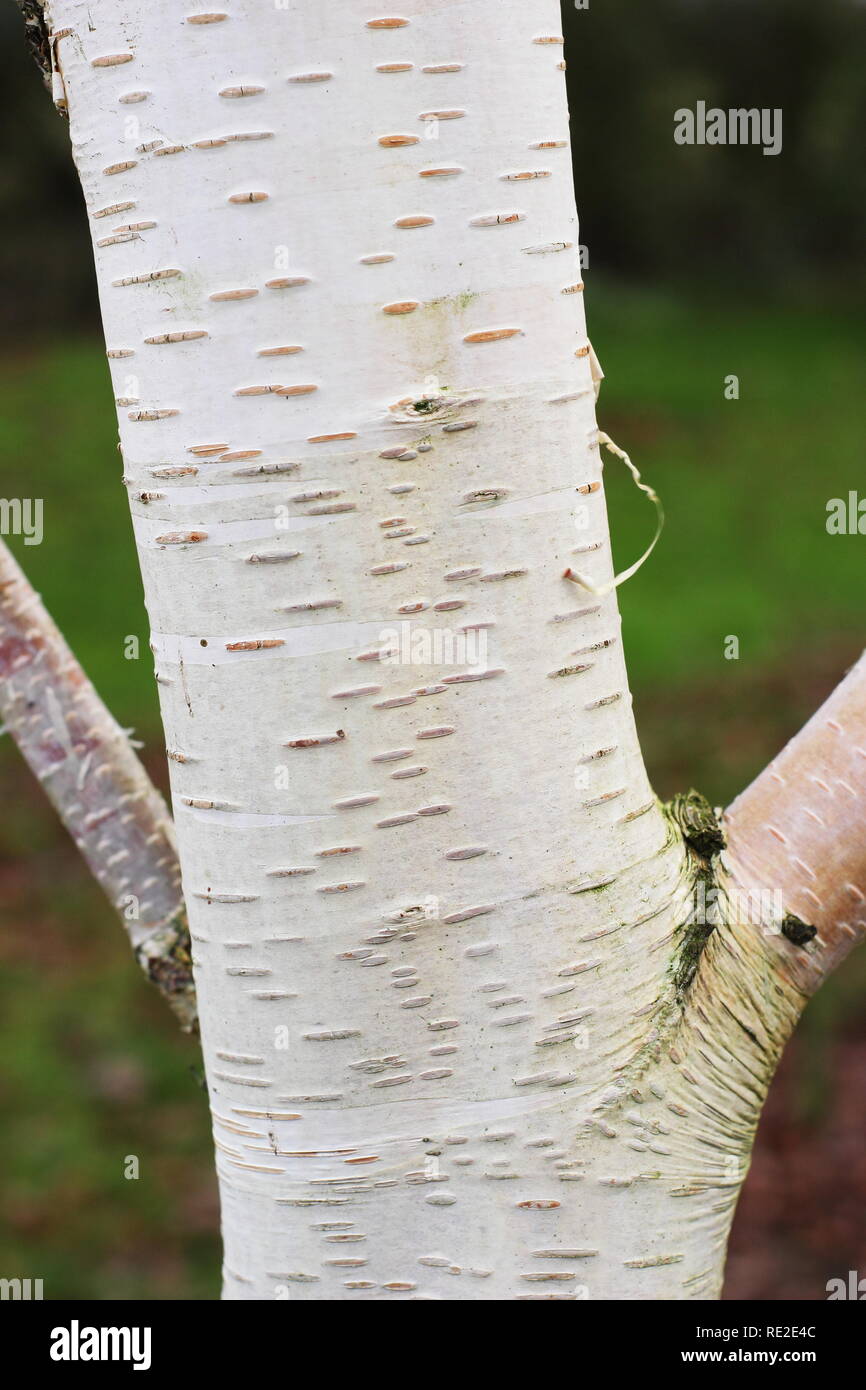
{"x": 99, "y": 788}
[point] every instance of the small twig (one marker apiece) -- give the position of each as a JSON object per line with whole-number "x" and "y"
{"x": 98, "y": 786}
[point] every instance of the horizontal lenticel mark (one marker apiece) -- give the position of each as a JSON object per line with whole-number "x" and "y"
{"x": 256, "y": 644}
{"x": 492, "y": 335}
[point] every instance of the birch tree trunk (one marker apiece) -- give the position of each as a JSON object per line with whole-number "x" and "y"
{"x": 460, "y": 1038}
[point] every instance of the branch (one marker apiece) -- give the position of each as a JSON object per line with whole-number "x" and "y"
{"x": 98, "y": 786}
{"x": 801, "y": 828}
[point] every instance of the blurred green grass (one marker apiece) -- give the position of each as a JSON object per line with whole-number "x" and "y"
{"x": 58, "y": 441}
{"x": 94, "y": 1070}
{"x": 745, "y": 552}
{"x": 94, "y": 1074}
{"x": 744, "y": 482}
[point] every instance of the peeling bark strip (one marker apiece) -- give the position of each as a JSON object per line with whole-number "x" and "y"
{"x": 96, "y": 783}
{"x": 487, "y": 1047}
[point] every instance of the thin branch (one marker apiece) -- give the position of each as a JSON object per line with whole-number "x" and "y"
{"x": 800, "y": 828}
{"x": 98, "y": 786}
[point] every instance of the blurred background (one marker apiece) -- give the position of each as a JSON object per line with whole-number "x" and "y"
{"x": 704, "y": 262}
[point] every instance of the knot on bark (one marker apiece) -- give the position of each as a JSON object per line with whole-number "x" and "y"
{"x": 165, "y": 957}
{"x": 698, "y": 823}
{"x": 701, "y": 831}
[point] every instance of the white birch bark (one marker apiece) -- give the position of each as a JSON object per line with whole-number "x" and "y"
{"x": 451, "y": 1045}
